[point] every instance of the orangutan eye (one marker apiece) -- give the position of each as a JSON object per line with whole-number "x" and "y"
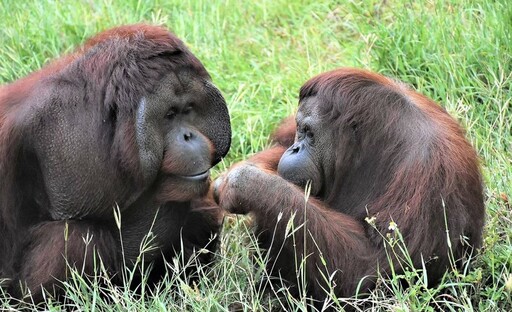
{"x": 188, "y": 109}
{"x": 171, "y": 113}
{"x": 307, "y": 130}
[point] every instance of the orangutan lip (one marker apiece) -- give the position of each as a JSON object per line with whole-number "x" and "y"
{"x": 197, "y": 177}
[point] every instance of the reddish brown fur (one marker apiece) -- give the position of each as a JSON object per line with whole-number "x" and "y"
{"x": 119, "y": 66}
{"x": 79, "y": 247}
{"x": 411, "y": 165}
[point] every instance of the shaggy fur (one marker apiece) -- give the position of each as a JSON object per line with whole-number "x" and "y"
{"x": 129, "y": 120}
{"x": 392, "y": 156}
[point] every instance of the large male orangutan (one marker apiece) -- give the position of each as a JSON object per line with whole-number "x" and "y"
{"x": 376, "y": 158}
{"x": 131, "y": 120}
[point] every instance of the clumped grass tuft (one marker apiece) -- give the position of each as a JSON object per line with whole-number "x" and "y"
{"x": 259, "y": 53}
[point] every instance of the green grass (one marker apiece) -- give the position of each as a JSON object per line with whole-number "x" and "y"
{"x": 458, "y": 52}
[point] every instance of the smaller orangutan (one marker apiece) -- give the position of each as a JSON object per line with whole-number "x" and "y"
{"x": 376, "y": 158}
